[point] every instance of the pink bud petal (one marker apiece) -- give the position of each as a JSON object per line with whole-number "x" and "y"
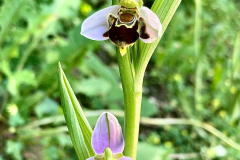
{"x": 91, "y": 158}
{"x": 107, "y": 133}
{"x": 125, "y": 158}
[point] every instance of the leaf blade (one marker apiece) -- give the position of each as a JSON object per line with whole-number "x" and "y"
{"x": 79, "y": 128}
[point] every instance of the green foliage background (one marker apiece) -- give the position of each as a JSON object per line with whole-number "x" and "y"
{"x": 194, "y": 73}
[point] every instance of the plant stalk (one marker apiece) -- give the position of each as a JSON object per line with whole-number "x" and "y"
{"x": 132, "y": 104}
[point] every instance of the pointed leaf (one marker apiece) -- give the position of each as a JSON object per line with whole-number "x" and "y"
{"x": 79, "y": 128}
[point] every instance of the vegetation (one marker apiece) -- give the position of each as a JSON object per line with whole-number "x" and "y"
{"x": 191, "y": 99}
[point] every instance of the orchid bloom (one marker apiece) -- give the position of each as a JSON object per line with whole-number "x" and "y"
{"x": 123, "y": 24}
{"x": 107, "y": 139}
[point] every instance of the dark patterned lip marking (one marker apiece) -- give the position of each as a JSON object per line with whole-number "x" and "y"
{"x": 143, "y": 30}
{"x": 124, "y": 30}
{"x": 123, "y": 36}
{"x": 106, "y": 34}
{"x": 111, "y": 19}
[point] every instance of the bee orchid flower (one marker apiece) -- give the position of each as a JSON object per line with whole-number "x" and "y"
{"x": 123, "y": 24}
{"x": 107, "y": 139}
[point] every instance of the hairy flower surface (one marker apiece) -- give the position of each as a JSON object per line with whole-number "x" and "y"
{"x": 107, "y": 139}
{"x": 123, "y": 24}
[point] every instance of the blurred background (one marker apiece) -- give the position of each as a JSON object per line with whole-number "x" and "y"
{"x": 193, "y": 74}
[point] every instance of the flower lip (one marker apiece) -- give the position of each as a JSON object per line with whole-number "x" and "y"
{"x": 96, "y": 25}
{"x": 124, "y": 34}
{"x": 123, "y": 24}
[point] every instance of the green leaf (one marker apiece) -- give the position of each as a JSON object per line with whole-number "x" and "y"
{"x": 64, "y": 9}
{"x": 51, "y": 153}
{"x": 148, "y": 109}
{"x": 5, "y": 68}
{"x": 92, "y": 86}
{"x": 101, "y": 69}
{"x": 116, "y": 95}
{"x": 148, "y": 151}
{"x": 31, "y": 100}
{"x": 18, "y": 78}
{"x": 16, "y": 120}
{"x": 47, "y": 107}
{"x": 1, "y": 158}
{"x": 14, "y": 149}
{"x": 9, "y": 11}
{"x": 64, "y": 140}
{"x": 79, "y": 128}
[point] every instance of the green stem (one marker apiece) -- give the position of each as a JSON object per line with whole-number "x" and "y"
{"x": 132, "y": 104}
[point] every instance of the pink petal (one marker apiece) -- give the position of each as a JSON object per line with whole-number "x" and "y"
{"x": 154, "y": 26}
{"x": 95, "y": 25}
{"x": 125, "y": 158}
{"x": 91, "y": 158}
{"x": 107, "y": 133}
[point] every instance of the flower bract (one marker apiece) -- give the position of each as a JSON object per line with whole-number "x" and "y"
{"x": 107, "y": 139}
{"x": 123, "y": 24}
